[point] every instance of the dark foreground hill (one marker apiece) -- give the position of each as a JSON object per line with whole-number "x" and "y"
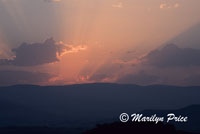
{"x": 192, "y": 112}
{"x": 87, "y": 104}
{"x": 112, "y": 128}
{"x": 135, "y": 128}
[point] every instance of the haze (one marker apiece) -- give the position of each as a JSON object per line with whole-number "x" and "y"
{"x": 98, "y": 37}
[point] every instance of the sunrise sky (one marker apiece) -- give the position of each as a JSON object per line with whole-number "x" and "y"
{"x": 93, "y": 40}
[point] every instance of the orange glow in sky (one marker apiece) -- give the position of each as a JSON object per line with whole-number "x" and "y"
{"x": 99, "y": 34}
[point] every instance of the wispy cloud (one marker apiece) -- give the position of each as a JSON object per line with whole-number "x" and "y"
{"x": 118, "y": 5}
{"x": 163, "y": 5}
{"x": 67, "y": 48}
{"x": 177, "y": 5}
{"x": 168, "y": 6}
{"x": 49, "y": 1}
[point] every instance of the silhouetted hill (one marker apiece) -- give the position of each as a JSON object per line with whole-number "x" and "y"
{"x": 192, "y": 112}
{"x": 39, "y": 130}
{"x": 135, "y": 128}
{"x": 86, "y": 104}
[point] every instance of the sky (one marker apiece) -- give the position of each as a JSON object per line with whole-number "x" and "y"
{"x": 56, "y": 42}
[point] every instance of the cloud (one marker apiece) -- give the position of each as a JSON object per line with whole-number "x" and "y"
{"x": 36, "y": 54}
{"x": 168, "y": 6}
{"x": 177, "y": 5}
{"x": 65, "y": 48}
{"x": 118, "y": 5}
{"x": 163, "y": 5}
{"x": 105, "y": 73}
{"x": 169, "y": 65}
{"x": 173, "y": 56}
{"x": 140, "y": 78}
{"x": 98, "y": 77}
{"x": 40, "y": 53}
{"x": 22, "y": 77}
{"x": 50, "y": 1}
{"x": 130, "y": 62}
{"x": 188, "y": 38}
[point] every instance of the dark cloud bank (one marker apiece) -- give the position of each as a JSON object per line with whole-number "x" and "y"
{"x": 173, "y": 56}
{"x": 189, "y": 38}
{"x": 22, "y": 77}
{"x": 140, "y": 78}
{"x": 168, "y": 65}
{"x": 34, "y": 54}
{"x": 27, "y": 55}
